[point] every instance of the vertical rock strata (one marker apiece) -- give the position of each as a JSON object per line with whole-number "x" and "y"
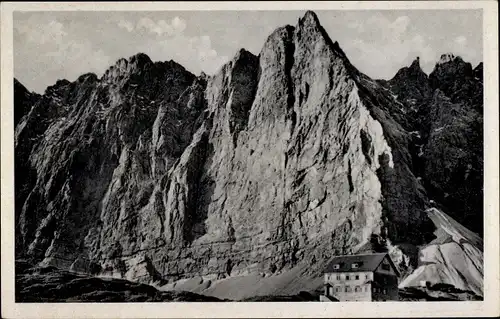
{"x": 281, "y": 159}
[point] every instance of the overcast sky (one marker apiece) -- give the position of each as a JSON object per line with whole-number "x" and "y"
{"x": 54, "y": 45}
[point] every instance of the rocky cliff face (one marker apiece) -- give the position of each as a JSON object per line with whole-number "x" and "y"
{"x": 444, "y": 114}
{"x": 274, "y": 164}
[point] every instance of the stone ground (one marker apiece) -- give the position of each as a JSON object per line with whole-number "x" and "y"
{"x": 49, "y": 284}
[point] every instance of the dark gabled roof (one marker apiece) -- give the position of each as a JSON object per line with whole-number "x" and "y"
{"x": 365, "y": 262}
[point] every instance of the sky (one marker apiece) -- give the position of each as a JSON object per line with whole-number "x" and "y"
{"x": 63, "y": 45}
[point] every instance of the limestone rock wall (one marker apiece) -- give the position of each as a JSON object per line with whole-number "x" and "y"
{"x": 152, "y": 174}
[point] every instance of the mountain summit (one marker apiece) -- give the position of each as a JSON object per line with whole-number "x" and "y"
{"x": 239, "y": 184}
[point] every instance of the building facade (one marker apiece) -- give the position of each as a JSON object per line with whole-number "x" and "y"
{"x": 369, "y": 277}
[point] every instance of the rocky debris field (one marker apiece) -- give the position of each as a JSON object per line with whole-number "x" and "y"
{"x": 49, "y": 284}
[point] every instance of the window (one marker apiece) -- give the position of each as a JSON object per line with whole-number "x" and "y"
{"x": 338, "y": 277}
{"x": 347, "y": 277}
{"x": 375, "y": 289}
{"x": 384, "y": 291}
{"x": 354, "y": 265}
{"x": 357, "y": 289}
{"x": 336, "y": 266}
{"x": 367, "y": 276}
{"x": 348, "y": 289}
{"x": 386, "y": 267}
{"x": 357, "y": 277}
{"x": 337, "y": 289}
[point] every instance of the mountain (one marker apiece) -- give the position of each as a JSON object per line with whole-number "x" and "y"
{"x": 247, "y": 182}
{"x": 444, "y": 113}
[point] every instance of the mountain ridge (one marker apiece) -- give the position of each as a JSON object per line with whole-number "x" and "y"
{"x": 268, "y": 167}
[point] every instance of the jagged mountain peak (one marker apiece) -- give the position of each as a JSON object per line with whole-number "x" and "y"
{"x": 415, "y": 64}
{"x": 309, "y": 18}
{"x": 454, "y": 76}
{"x": 87, "y": 78}
{"x": 448, "y": 57}
{"x": 243, "y": 54}
{"x": 411, "y": 82}
{"x": 140, "y": 59}
{"x": 60, "y": 84}
{"x": 414, "y": 70}
{"x": 140, "y": 63}
{"x": 451, "y": 63}
{"x": 242, "y": 59}
{"x": 136, "y": 61}
{"x": 284, "y": 33}
{"x": 310, "y": 25}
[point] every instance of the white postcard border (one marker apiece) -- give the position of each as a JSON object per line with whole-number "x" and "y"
{"x": 489, "y": 307}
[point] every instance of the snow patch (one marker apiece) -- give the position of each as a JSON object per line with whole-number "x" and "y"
{"x": 420, "y": 151}
{"x": 439, "y": 129}
{"x": 395, "y": 97}
{"x": 416, "y": 133}
{"x": 448, "y": 57}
